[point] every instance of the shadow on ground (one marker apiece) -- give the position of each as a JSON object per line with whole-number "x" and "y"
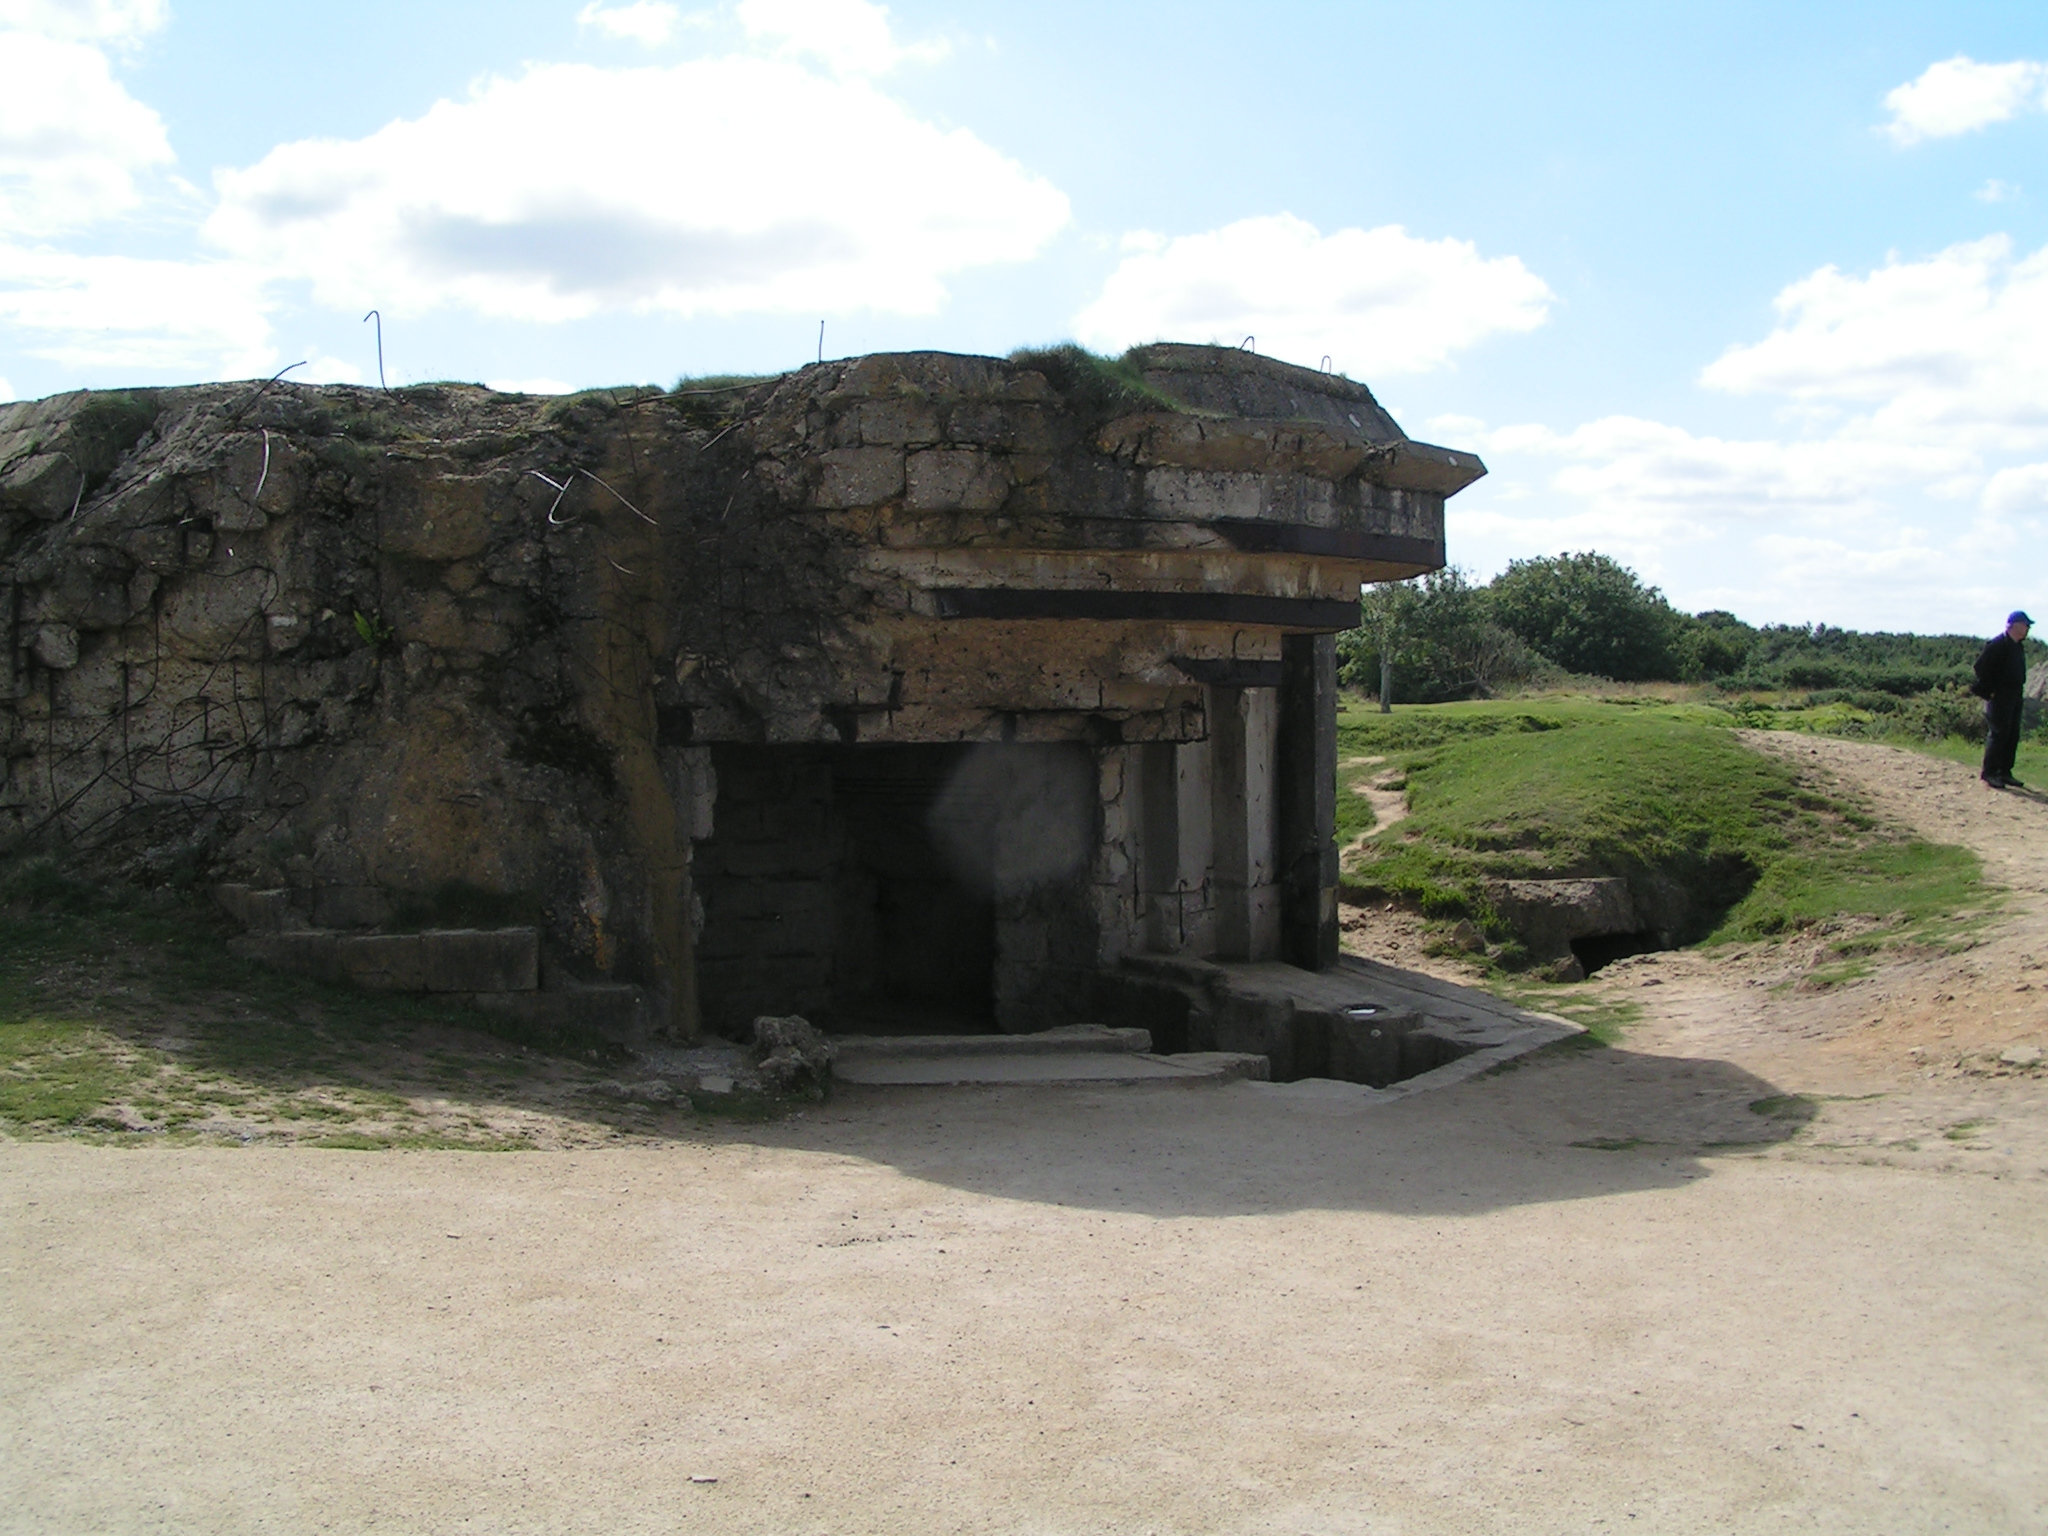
{"x": 1571, "y": 1124}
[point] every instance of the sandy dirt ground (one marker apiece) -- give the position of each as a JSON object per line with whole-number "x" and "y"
{"x": 1777, "y": 1263}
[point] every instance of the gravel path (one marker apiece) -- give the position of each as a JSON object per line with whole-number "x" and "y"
{"x": 1602, "y": 1291}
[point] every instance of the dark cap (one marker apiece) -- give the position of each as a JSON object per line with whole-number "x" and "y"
{"x": 2016, "y": 617}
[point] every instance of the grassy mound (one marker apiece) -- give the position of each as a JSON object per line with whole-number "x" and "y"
{"x": 1652, "y": 792}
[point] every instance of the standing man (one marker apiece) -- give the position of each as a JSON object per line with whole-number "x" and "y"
{"x": 2001, "y": 682}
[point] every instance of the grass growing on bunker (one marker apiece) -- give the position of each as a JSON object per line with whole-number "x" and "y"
{"x": 123, "y": 1018}
{"x": 1095, "y": 388}
{"x": 1650, "y": 790}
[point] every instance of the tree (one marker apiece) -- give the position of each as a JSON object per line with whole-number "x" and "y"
{"x": 1428, "y": 641}
{"x": 1589, "y": 614}
{"x": 1712, "y": 644}
{"x": 1385, "y": 613}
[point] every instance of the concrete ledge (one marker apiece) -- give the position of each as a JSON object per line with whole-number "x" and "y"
{"x": 307, "y": 953}
{"x": 384, "y": 962}
{"x": 1049, "y": 1069}
{"x": 1073, "y": 1039}
{"x": 257, "y": 911}
{"x": 451, "y": 961}
{"x": 1397, "y": 1032}
{"x": 482, "y": 959}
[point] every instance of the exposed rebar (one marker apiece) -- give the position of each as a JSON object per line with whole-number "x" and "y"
{"x": 379, "y": 318}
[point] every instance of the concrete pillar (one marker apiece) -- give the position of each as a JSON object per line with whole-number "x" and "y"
{"x": 1194, "y": 768}
{"x": 1262, "y": 821}
{"x": 1159, "y": 845}
{"x": 1307, "y": 776}
{"x": 1242, "y": 816}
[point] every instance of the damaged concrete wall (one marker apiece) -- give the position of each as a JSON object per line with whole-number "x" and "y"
{"x": 443, "y": 655}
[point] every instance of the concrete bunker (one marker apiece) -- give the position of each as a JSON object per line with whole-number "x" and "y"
{"x": 909, "y": 691}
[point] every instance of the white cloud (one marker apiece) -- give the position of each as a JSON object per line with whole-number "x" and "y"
{"x": 116, "y": 312}
{"x": 1956, "y": 344}
{"x": 530, "y": 386}
{"x": 2018, "y": 489}
{"x": 1907, "y": 488}
{"x": 716, "y": 186}
{"x": 1959, "y": 95}
{"x": 6, "y": 392}
{"x": 851, "y": 37}
{"x": 1643, "y": 479}
{"x": 1996, "y": 191}
{"x": 644, "y": 21}
{"x": 72, "y": 140}
{"x": 1376, "y": 301}
{"x": 119, "y": 22}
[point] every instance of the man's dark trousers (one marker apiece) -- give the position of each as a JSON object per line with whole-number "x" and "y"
{"x": 2002, "y": 736}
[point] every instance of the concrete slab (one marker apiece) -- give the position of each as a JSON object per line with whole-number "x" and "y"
{"x": 1071, "y": 1039}
{"x": 1358, "y": 1020}
{"x": 1047, "y": 1069}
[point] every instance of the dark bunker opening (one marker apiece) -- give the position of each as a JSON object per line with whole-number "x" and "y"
{"x": 893, "y": 888}
{"x": 1596, "y": 950}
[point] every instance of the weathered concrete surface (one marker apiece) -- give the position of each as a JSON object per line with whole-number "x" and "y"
{"x": 1050, "y": 1069}
{"x": 1076, "y": 1054}
{"x": 423, "y": 656}
{"x": 1548, "y": 914}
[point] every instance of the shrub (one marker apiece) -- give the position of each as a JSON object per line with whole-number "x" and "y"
{"x": 1590, "y": 614}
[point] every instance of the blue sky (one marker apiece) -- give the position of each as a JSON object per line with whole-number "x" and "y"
{"x": 1753, "y": 297}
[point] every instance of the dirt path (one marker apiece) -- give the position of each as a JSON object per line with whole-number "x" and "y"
{"x": 1613, "y": 1289}
{"x": 1928, "y": 1059}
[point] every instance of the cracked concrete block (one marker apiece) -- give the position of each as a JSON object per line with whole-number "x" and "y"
{"x": 481, "y": 959}
{"x": 41, "y": 483}
{"x": 897, "y": 423}
{"x": 1202, "y": 496}
{"x": 303, "y": 954}
{"x": 350, "y": 906}
{"x": 55, "y": 646}
{"x": 442, "y": 516}
{"x": 949, "y": 479}
{"x": 257, "y": 911}
{"x": 1548, "y": 914}
{"x": 209, "y": 617}
{"x": 231, "y": 514}
{"x": 859, "y": 477}
{"x": 384, "y": 962}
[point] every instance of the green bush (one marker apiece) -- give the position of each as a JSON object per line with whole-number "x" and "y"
{"x": 1589, "y": 614}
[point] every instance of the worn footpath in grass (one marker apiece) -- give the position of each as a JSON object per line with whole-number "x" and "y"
{"x": 1646, "y": 790}
{"x": 123, "y": 1018}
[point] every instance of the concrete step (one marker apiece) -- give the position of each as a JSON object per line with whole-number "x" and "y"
{"x": 1078, "y": 1055}
{"x": 1069, "y": 1040}
{"x": 448, "y": 960}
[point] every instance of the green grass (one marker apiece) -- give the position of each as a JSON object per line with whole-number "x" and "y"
{"x": 124, "y": 1015}
{"x": 1605, "y": 1019}
{"x": 58, "y": 1072}
{"x": 1794, "y": 1108}
{"x": 1095, "y": 388}
{"x": 1355, "y": 815}
{"x": 1912, "y": 891}
{"x": 1654, "y": 790}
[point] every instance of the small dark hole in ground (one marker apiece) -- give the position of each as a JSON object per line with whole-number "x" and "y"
{"x": 1598, "y": 949}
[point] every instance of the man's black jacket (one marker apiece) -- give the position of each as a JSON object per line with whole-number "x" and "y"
{"x": 2002, "y": 669}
